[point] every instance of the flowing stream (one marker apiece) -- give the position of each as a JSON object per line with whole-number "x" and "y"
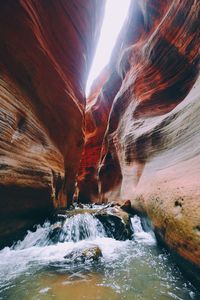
{"x": 36, "y": 268}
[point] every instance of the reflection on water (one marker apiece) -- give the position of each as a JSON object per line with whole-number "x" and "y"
{"x": 128, "y": 270}
{"x": 75, "y": 286}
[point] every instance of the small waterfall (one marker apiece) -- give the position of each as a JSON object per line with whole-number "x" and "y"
{"x": 73, "y": 229}
{"x": 136, "y": 223}
{"x": 40, "y": 238}
{"x": 57, "y": 260}
{"x": 81, "y": 227}
{"x": 139, "y": 234}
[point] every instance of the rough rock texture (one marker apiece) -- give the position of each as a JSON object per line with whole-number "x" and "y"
{"x": 150, "y": 151}
{"x": 116, "y": 222}
{"x": 46, "y": 49}
{"x": 98, "y": 108}
{"x": 88, "y": 254}
{"x": 97, "y": 113}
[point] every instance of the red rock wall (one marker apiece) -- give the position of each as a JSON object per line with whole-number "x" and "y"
{"x": 98, "y": 108}
{"x": 46, "y": 50}
{"x": 97, "y": 113}
{"x": 150, "y": 151}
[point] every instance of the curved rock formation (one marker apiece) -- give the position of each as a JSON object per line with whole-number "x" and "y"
{"x": 150, "y": 151}
{"x": 46, "y": 49}
{"x": 97, "y": 113}
{"x": 142, "y": 123}
{"x": 98, "y": 107}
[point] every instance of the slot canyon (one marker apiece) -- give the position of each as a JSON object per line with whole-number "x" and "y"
{"x": 134, "y": 139}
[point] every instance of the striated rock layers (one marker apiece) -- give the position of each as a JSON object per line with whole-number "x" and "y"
{"x": 150, "y": 152}
{"x": 98, "y": 106}
{"x": 46, "y": 49}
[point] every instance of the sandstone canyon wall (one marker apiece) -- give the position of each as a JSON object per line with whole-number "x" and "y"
{"x": 98, "y": 106}
{"x": 141, "y": 122}
{"x": 150, "y": 146}
{"x": 46, "y": 49}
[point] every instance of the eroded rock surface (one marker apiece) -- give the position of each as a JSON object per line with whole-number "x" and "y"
{"x": 150, "y": 150}
{"x": 87, "y": 254}
{"x": 116, "y": 222}
{"x": 46, "y": 49}
{"x": 142, "y": 117}
{"x": 98, "y": 108}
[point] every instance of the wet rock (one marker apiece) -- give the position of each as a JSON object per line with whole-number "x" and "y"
{"x": 116, "y": 222}
{"x": 56, "y": 230}
{"x": 71, "y": 207}
{"x": 126, "y": 206}
{"x": 90, "y": 253}
{"x": 70, "y": 213}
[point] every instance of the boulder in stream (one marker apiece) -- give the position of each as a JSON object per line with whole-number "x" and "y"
{"x": 114, "y": 219}
{"x": 116, "y": 222}
{"x": 90, "y": 253}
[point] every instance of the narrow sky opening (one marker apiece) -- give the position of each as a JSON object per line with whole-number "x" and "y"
{"x": 115, "y": 14}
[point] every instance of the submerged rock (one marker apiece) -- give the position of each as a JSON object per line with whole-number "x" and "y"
{"x": 55, "y": 232}
{"x": 90, "y": 253}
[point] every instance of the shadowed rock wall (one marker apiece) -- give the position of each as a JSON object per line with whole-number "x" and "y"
{"x": 46, "y": 49}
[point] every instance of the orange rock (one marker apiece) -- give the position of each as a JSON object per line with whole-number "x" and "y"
{"x": 149, "y": 146}
{"x": 46, "y": 51}
{"x": 150, "y": 152}
{"x": 98, "y": 108}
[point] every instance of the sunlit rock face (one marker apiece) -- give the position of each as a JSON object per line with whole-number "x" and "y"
{"x": 97, "y": 112}
{"x": 150, "y": 151}
{"x": 98, "y": 106}
{"x": 46, "y": 50}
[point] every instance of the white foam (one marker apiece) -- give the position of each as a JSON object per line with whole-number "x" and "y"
{"x": 140, "y": 235}
{"x": 36, "y": 250}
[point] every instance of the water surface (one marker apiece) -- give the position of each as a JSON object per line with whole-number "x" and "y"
{"x": 136, "y": 269}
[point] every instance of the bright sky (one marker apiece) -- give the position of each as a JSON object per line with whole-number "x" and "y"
{"x": 115, "y": 14}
